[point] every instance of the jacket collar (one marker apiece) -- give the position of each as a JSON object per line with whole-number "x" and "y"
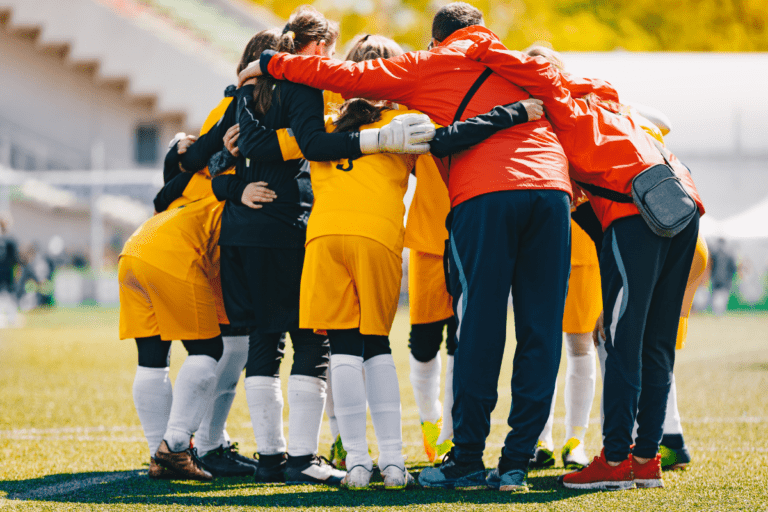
{"x": 473, "y": 34}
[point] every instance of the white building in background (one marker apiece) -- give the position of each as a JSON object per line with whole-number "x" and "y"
{"x": 719, "y": 110}
{"x": 106, "y": 83}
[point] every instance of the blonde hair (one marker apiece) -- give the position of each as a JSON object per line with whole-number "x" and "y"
{"x": 553, "y": 57}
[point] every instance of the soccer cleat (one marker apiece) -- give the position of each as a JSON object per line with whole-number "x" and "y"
{"x": 338, "y": 454}
{"x": 185, "y": 463}
{"x": 573, "y": 454}
{"x": 358, "y": 478}
{"x": 648, "y": 475}
{"x": 396, "y": 477}
{"x": 158, "y": 472}
{"x": 271, "y": 469}
{"x": 674, "y": 454}
{"x": 600, "y": 475}
{"x": 234, "y": 453}
{"x": 430, "y": 432}
{"x": 312, "y": 470}
{"x": 225, "y": 461}
{"x": 543, "y": 457}
{"x": 452, "y": 474}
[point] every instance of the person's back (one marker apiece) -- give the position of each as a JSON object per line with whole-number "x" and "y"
{"x": 527, "y": 156}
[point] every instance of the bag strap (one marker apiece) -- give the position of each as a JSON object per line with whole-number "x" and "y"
{"x": 605, "y": 193}
{"x": 468, "y": 97}
{"x": 471, "y": 93}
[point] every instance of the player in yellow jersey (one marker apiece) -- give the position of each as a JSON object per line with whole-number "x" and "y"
{"x": 170, "y": 289}
{"x": 431, "y": 309}
{"x": 351, "y": 278}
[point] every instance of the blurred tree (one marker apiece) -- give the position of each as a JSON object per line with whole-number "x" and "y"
{"x": 568, "y": 25}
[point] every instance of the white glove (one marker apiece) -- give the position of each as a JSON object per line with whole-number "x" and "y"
{"x": 406, "y": 133}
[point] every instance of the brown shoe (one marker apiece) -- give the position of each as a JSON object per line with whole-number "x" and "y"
{"x": 184, "y": 463}
{"x": 158, "y": 472}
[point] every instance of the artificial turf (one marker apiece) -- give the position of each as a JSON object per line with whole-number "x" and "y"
{"x": 70, "y": 438}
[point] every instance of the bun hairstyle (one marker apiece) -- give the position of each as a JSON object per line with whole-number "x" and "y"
{"x": 305, "y": 26}
{"x": 358, "y": 111}
{"x": 549, "y": 54}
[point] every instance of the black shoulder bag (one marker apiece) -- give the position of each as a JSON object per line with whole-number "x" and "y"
{"x": 664, "y": 203}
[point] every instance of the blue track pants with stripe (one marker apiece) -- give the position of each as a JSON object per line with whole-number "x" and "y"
{"x": 643, "y": 279}
{"x": 518, "y": 239}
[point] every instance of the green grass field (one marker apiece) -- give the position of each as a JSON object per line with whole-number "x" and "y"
{"x": 70, "y": 438}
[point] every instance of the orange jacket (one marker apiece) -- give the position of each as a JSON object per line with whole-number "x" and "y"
{"x": 604, "y": 146}
{"x": 527, "y": 156}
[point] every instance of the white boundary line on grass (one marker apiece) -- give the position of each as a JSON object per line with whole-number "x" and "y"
{"x": 71, "y": 486}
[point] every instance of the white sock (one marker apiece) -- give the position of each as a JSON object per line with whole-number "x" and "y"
{"x": 194, "y": 386}
{"x": 152, "y": 396}
{"x": 446, "y": 432}
{"x": 580, "y": 378}
{"x": 329, "y": 410}
{"x": 672, "y": 424}
{"x": 306, "y": 400}
{"x": 546, "y": 433}
{"x": 265, "y": 403}
{"x": 211, "y": 433}
{"x": 349, "y": 403}
{"x": 383, "y": 392}
{"x": 425, "y": 379}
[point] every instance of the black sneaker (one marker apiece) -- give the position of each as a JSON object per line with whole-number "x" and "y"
{"x": 221, "y": 462}
{"x": 453, "y": 474}
{"x": 271, "y": 469}
{"x": 311, "y": 469}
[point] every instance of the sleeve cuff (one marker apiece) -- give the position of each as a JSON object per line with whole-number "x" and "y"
{"x": 266, "y": 56}
{"x": 238, "y": 193}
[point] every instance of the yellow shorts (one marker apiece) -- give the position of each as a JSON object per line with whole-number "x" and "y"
{"x": 349, "y": 282}
{"x": 584, "y": 301}
{"x": 695, "y": 277}
{"x": 429, "y": 299}
{"x": 153, "y": 303}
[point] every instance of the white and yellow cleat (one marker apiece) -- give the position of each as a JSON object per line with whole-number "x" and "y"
{"x": 573, "y": 454}
{"x": 358, "y": 478}
{"x": 430, "y": 432}
{"x": 396, "y": 477}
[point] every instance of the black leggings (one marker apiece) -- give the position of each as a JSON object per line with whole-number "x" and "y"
{"x": 156, "y": 353}
{"x": 353, "y": 343}
{"x": 266, "y": 351}
{"x": 426, "y": 339}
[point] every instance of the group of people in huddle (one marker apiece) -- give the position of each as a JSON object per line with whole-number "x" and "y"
{"x": 285, "y": 216}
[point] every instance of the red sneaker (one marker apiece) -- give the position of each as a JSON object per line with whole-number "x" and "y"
{"x": 648, "y": 475}
{"x": 600, "y": 475}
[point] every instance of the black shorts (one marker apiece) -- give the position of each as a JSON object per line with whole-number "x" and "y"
{"x": 261, "y": 287}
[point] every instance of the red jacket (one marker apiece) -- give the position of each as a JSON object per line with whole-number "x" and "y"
{"x": 527, "y": 156}
{"x": 604, "y": 147}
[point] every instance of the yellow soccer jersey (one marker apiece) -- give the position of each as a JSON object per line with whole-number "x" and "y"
{"x": 333, "y": 102}
{"x": 181, "y": 241}
{"x": 425, "y": 230}
{"x": 363, "y": 196}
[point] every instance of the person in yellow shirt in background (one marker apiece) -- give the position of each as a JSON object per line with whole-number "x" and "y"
{"x": 353, "y": 267}
{"x": 431, "y": 309}
{"x": 170, "y": 289}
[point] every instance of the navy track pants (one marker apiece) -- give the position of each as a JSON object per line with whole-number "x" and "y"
{"x": 643, "y": 279}
{"x": 519, "y": 239}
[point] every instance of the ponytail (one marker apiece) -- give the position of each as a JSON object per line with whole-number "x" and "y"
{"x": 358, "y": 111}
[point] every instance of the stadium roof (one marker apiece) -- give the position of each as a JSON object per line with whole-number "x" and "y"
{"x": 178, "y": 53}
